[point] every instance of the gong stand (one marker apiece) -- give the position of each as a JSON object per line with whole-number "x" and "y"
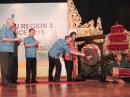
{"x": 90, "y": 40}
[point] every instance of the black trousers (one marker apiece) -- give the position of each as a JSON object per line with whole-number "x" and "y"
{"x": 52, "y": 63}
{"x": 31, "y": 69}
{"x": 69, "y": 68}
{"x": 6, "y": 67}
{"x": 15, "y": 69}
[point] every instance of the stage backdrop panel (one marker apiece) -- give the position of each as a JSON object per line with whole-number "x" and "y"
{"x": 50, "y": 22}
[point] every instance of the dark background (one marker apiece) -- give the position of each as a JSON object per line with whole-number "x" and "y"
{"x": 110, "y": 11}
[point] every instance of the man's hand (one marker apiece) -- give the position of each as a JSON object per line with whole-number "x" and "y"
{"x": 37, "y": 44}
{"x": 18, "y": 39}
{"x": 82, "y": 54}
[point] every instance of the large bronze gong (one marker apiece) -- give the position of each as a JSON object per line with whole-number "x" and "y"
{"x": 92, "y": 53}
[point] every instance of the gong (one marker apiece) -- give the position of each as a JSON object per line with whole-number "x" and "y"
{"x": 92, "y": 54}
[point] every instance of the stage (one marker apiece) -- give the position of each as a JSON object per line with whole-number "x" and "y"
{"x": 89, "y": 88}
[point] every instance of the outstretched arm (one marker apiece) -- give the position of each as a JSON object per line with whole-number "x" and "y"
{"x": 77, "y": 53}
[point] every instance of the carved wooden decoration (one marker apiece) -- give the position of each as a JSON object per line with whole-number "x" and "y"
{"x": 73, "y": 17}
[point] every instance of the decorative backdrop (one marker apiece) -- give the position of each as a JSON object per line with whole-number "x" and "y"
{"x": 50, "y": 22}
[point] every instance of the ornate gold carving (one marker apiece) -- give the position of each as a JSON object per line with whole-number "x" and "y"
{"x": 73, "y": 16}
{"x": 87, "y": 29}
{"x": 99, "y": 24}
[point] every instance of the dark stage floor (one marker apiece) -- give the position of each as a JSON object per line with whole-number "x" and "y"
{"x": 89, "y": 88}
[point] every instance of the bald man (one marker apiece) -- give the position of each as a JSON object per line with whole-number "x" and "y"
{"x": 7, "y": 40}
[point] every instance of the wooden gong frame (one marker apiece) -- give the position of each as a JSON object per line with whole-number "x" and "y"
{"x": 90, "y": 40}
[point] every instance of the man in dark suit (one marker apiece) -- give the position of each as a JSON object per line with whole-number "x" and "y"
{"x": 15, "y": 57}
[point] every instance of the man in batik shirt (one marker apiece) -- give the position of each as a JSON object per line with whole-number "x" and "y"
{"x": 58, "y": 48}
{"x": 31, "y": 45}
{"x": 7, "y": 40}
{"x": 69, "y": 58}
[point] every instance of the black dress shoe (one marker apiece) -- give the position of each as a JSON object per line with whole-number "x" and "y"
{"x": 50, "y": 80}
{"x": 9, "y": 84}
{"x": 34, "y": 81}
{"x": 70, "y": 81}
{"x": 27, "y": 82}
{"x": 6, "y": 84}
{"x": 15, "y": 82}
{"x": 56, "y": 81}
